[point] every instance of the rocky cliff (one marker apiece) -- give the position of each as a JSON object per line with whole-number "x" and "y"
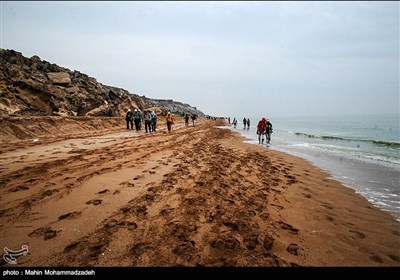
{"x": 31, "y": 86}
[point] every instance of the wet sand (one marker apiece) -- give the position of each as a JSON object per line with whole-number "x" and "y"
{"x": 91, "y": 193}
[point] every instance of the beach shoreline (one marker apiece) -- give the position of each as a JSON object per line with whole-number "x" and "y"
{"x": 376, "y": 180}
{"x": 199, "y": 196}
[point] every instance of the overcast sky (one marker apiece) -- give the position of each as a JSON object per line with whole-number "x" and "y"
{"x": 225, "y": 58}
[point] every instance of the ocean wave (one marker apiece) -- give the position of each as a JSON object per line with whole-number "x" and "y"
{"x": 387, "y": 144}
{"x": 351, "y": 152}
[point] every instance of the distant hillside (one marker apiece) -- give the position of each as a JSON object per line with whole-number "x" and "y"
{"x": 31, "y": 86}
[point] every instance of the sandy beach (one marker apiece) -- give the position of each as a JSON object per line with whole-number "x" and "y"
{"x": 88, "y": 192}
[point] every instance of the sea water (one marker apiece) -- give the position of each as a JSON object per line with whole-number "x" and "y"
{"x": 361, "y": 152}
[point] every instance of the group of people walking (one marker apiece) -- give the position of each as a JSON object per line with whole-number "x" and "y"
{"x": 193, "y": 117}
{"x": 150, "y": 120}
{"x": 136, "y": 116}
{"x": 246, "y": 122}
{"x": 264, "y": 127}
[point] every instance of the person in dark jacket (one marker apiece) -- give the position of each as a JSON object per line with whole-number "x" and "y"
{"x": 193, "y": 117}
{"x": 153, "y": 121}
{"x": 129, "y": 119}
{"x": 268, "y": 131}
{"x": 137, "y": 119}
{"x": 186, "y": 120}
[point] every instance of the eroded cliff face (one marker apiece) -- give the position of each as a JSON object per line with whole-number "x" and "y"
{"x": 31, "y": 86}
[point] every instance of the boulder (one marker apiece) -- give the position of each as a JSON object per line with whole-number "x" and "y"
{"x": 36, "y": 59}
{"x": 59, "y": 78}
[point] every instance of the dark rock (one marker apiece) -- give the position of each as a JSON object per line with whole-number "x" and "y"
{"x": 35, "y": 58}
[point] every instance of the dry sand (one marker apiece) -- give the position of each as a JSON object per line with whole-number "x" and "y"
{"x": 91, "y": 193}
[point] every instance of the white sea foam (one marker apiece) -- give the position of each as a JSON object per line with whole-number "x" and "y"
{"x": 307, "y": 145}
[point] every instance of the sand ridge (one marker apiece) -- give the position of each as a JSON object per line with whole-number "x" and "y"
{"x": 198, "y": 196}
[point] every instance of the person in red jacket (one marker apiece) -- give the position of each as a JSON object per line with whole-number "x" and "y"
{"x": 261, "y": 130}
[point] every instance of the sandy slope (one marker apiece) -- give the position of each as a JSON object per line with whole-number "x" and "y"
{"x": 105, "y": 196}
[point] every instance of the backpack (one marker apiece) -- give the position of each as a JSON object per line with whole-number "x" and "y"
{"x": 136, "y": 115}
{"x": 129, "y": 115}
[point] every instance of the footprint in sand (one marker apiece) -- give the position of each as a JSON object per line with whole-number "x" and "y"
{"x": 129, "y": 224}
{"x": 329, "y": 218}
{"x": 127, "y": 184}
{"x": 30, "y": 180}
{"x": 291, "y": 179}
{"x": 231, "y": 225}
{"x": 49, "y": 234}
{"x": 103, "y": 191}
{"x": 111, "y": 226}
{"x": 264, "y": 216}
{"x": 181, "y": 231}
{"x": 251, "y": 213}
{"x": 307, "y": 195}
{"x": 140, "y": 248}
{"x": 394, "y": 258}
{"x": 149, "y": 196}
{"x": 376, "y": 258}
{"x": 95, "y": 201}
{"x": 70, "y": 215}
{"x": 327, "y": 206}
{"x": 288, "y": 227}
{"x": 71, "y": 246}
{"x": 166, "y": 211}
{"x": 186, "y": 250}
{"x": 268, "y": 242}
{"x": 228, "y": 243}
{"x": 293, "y": 249}
{"x": 48, "y": 193}
{"x": 359, "y": 235}
{"x": 46, "y": 233}
{"x": 251, "y": 242}
{"x": 278, "y": 206}
{"x": 19, "y": 188}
